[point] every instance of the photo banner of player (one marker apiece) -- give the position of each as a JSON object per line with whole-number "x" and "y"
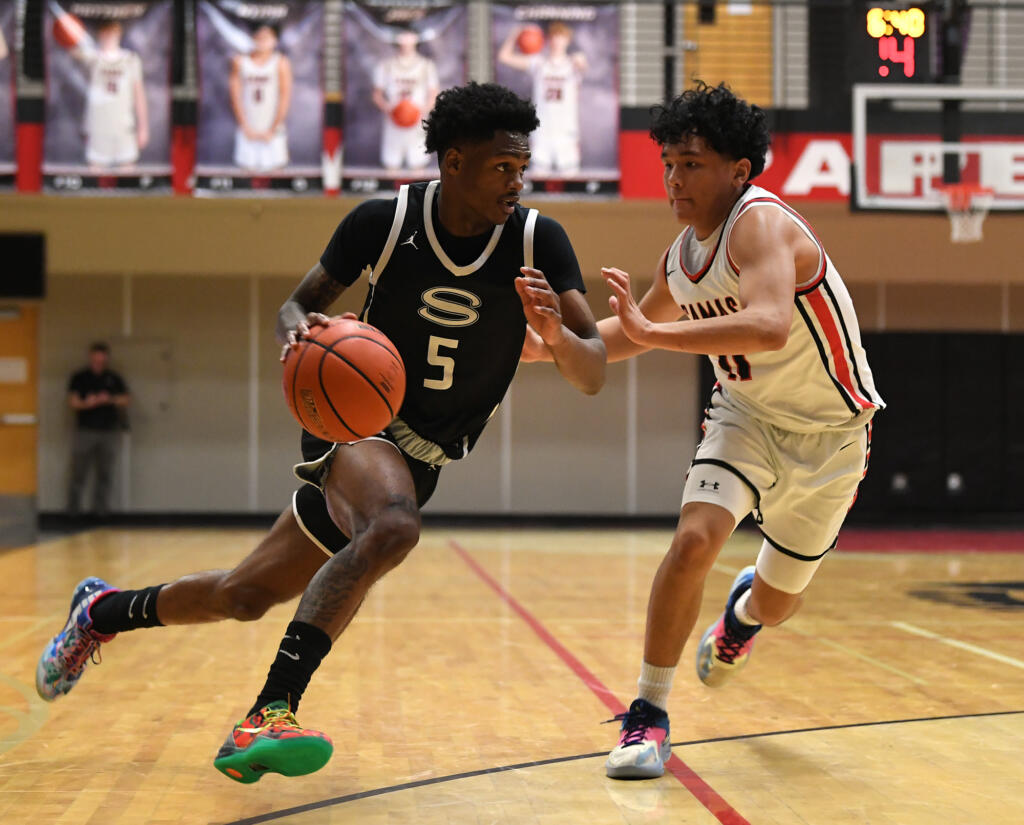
{"x": 7, "y": 93}
{"x": 108, "y": 96}
{"x": 565, "y": 59}
{"x": 397, "y": 58}
{"x": 261, "y": 97}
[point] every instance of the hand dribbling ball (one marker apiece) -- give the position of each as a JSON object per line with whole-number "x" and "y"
{"x": 344, "y": 381}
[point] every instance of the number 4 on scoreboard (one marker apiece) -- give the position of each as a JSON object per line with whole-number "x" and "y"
{"x": 889, "y": 49}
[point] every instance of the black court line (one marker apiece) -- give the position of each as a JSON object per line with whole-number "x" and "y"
{"x": 437, "y": 780}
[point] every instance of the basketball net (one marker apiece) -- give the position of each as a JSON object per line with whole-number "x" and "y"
{"x": 967, "y": 205}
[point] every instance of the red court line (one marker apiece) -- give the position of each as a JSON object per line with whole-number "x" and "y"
{"x": 701, "y": 790}
{"x": 931, "y": 540}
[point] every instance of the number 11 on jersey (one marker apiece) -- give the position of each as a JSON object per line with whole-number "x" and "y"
{"x": 738, "y": 368}
{"x": 445, "y": 362}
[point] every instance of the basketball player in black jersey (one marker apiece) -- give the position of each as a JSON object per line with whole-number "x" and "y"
{"x": 457, "y": 270}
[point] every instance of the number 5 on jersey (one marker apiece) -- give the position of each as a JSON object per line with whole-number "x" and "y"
{"x": 445, "y": 362}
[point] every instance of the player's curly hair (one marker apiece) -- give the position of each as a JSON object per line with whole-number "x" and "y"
{"x": 730, "y": 125}
{"x": 474, "y": 112}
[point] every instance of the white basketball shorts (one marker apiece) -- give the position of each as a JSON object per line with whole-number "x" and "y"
{"x": 551, "y": 150}
{"x": 261, "y": 155}
{"x": 799, "y": 486}
{"x": 403, "y": 147}
{"x": 109, "y": 148}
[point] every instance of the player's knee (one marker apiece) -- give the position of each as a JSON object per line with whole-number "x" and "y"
{"x": 244, "y": 602}
{"x": 393, "y": 533}
{"x": 692, "y": 551}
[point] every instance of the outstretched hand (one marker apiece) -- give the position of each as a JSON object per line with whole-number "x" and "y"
{"x": 634, "y": 323}
{"x": 541, "y": 306}
{"x": 302, "y": 328}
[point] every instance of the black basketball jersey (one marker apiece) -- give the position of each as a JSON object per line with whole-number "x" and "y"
{"x": 459, "y": 328}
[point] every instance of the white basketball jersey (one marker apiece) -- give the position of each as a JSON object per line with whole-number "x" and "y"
{"x": 411, "y": 80}
{"x": 556, "y": 84}
{"x": 260, "y": 91}
{"x": 820, "y": 379}
{"x": 110, "y": 100}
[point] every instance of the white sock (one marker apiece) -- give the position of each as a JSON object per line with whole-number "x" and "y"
{"x": 654, "y": 684}
{"x": 740, "y": 610}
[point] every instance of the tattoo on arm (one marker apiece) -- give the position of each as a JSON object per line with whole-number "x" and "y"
{"x": 317, "y": 291}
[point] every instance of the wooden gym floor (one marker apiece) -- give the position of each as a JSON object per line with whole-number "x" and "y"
{"x": 471, "y": 687}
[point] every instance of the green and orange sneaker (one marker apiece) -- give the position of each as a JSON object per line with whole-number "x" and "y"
{"x": 271, "y": 741}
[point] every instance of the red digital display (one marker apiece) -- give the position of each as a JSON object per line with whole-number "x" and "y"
{"x": 896, "y": 31}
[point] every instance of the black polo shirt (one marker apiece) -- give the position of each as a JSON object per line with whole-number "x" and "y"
{"x": 105, "y": 416}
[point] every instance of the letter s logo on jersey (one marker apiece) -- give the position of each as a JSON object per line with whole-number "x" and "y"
{"x": 450, "y": 307}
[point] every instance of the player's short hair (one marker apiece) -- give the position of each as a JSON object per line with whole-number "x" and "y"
{"x": 263, "y": 24}
{"x": 474, "y": 112}
{"x": 729, "y": 124}
{"x": 558, "y": 27}
{"x": 109, "y": 23}
{"x": 99, "y": 346}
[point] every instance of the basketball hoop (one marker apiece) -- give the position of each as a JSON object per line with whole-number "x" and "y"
{"x": 967, "y": 205}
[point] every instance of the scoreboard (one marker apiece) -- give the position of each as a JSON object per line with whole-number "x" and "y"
{"x": 895, "y": 33}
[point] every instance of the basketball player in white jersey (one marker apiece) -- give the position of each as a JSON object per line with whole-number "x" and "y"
{"x": 787, "y": 430}
{"x": 556, "y": 91}
{"x": 116, "y": 115}
{"x": 261, "y": 93}
{"x": 405, "y": 76}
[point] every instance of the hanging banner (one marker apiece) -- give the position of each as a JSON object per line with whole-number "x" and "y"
{"x": 565, "y": 59}
{"x": 397, "y": 58}
{"x": 261, "y": 97}
{"x": 6, "y": 93}
{"x": 108, "y": 96}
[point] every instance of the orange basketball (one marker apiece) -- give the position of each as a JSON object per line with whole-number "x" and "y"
{"x": 406, "y": 113}
{"x": 345, "y": 381}
{"x": 530, "y": 40}
{"x": 68, "y": 30}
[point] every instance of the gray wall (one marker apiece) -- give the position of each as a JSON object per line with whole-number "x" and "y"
{"x": 210, "y": 431}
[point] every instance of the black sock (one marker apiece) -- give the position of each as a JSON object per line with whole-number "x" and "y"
{"x": 302, "y": 649}
{"x": 126, "y": 610}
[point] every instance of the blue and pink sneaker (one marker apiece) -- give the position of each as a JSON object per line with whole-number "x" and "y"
{"x": 644, "y": 745}
{"x": 725, "y": 646}
{"x": 65, "y": 657}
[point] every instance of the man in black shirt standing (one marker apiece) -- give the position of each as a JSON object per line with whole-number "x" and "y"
{"x": 457, "y": 269}
{"x": 97, "y": 394}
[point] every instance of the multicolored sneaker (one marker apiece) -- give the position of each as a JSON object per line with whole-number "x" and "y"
{"x": 271, "y": 741}
{"x": 65, "y": 657}
{"x": 644, "y": 745}
{"x": 725, "y": 646}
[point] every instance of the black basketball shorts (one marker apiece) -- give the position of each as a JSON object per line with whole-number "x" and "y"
{"x": 309, "y": 505}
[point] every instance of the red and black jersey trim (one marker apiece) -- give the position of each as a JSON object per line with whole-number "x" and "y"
{"x": 849, "y": 344}
{"x": 695, "y": 277}
{"x": 822, "y": 266}
{"x": 792, "y": 553}
{"x": 854, "y": 409}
